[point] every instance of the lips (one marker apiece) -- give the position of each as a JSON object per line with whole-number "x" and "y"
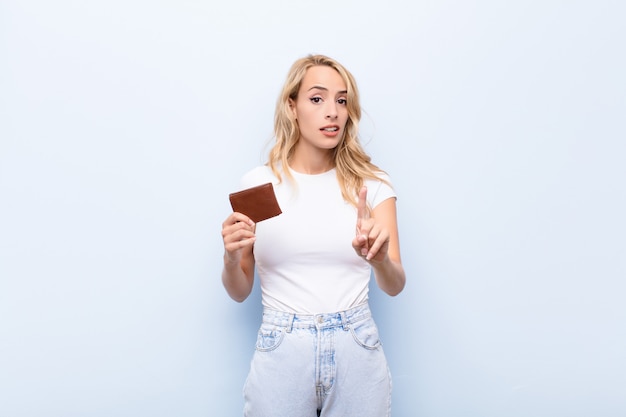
{"x": 330, "y": 128}
{"x": 330, "y": 131}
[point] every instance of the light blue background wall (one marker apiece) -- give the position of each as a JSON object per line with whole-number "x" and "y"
{"x": 125, "y": 124}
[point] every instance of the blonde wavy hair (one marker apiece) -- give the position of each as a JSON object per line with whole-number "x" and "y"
{"x": 353, "y": 165}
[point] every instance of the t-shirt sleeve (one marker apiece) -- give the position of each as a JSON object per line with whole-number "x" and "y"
{"x": 379, "y": 191}
{"x": 257, "y": 176}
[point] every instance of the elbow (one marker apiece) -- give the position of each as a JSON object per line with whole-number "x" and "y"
{"x": 395, "y": 292}
{"x": 395, "y": 289}
{"x": 240, "y": 298}
{"x": 238, "y": 295}
{"x": 238, "y": 284}
{"x": 392, "y": 283}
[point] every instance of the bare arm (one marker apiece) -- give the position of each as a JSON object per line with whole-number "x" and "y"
{"x": 377, "y": 241}
{"x": 238, "y": 272}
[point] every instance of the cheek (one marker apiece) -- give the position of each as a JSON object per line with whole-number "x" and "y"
{"x": 345, "y": 117}
{"x": 305, "y": 116}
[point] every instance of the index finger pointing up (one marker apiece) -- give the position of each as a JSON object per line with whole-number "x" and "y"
{"x": 362, "y": 212}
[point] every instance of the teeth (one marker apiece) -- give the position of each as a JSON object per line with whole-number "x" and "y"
{"x": 330, "y": 129}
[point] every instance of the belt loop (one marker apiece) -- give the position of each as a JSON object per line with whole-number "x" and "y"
{"x": 290, "y": 322}
{"x": 344, "y": 321}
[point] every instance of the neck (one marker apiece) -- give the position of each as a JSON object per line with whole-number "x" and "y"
{"x": 311, "y": 163}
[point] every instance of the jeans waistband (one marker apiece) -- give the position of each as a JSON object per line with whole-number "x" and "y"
{"x": 323, "y": 320}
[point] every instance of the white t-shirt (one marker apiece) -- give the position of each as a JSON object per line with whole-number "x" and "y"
{"x": 304, "y": 257}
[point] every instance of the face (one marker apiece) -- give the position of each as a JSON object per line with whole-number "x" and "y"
{"x": 321, "y": 108}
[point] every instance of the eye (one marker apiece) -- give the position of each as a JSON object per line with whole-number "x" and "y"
{"x": 342, "y": 101}
{"x": 315, "y": 100}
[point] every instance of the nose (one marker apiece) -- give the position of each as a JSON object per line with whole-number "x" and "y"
{"x": 331, "y": 110}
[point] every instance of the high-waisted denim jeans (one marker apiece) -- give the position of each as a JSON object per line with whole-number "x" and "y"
{"x": 328, "y": 365}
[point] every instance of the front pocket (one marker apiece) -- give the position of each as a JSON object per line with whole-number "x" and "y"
{"x": 365, "y": 333}
{"x": 269, "y": 337}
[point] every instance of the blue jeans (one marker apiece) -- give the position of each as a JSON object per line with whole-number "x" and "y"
{"x": 331, "y": 365}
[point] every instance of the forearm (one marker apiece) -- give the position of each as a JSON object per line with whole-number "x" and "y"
{"x": 390, "y": 276}
{"x": 237, "y": 282}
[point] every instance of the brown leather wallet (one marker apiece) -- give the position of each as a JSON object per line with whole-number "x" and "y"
{"x": 259, "y": 203}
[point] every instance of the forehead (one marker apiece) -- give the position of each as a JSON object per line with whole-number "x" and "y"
{"x": 323, "y": 76}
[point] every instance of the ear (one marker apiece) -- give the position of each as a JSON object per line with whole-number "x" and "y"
{"x": 292, "y": 107}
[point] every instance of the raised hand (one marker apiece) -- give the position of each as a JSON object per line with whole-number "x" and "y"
{"x": 372, "y": 239}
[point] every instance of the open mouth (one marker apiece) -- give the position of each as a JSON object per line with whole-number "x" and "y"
{"x": 330, "y": 129}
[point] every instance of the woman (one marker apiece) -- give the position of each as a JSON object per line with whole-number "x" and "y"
{"x": 317, "y": 350}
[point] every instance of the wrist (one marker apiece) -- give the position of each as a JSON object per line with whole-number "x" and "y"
{"x": 231, "y": 261}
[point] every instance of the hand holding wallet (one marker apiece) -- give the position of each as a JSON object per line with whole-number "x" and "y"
{"x": 259, "y": 203}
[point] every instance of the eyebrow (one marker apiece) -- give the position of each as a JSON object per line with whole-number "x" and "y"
{"x": 317, "y": 87}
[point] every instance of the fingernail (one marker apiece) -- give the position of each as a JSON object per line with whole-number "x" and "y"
{"x": 363, "y": 252}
